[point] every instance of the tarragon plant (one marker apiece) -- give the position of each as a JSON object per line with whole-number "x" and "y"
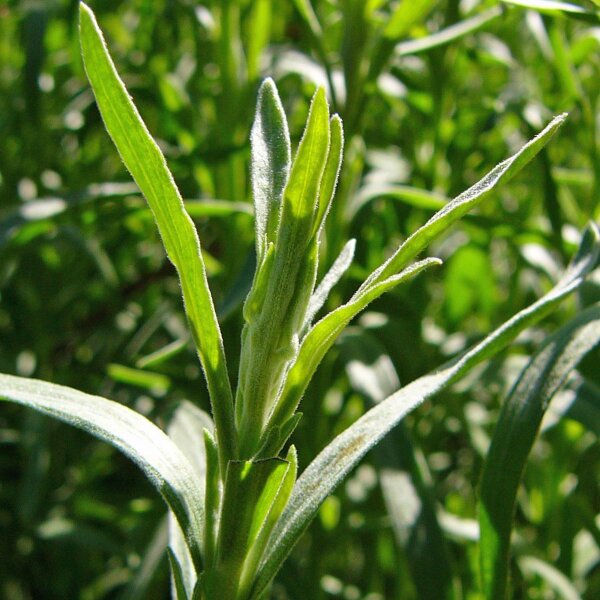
{"x": 237, "y": 506}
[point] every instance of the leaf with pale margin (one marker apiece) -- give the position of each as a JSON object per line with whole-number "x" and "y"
{"x": 515, "y": 434}
{"x": 462, "y": 204}
{"x": 131, "y": 433}
{"x": 330, "y": 467}
{"x": 331, "y": 173}
{"x": 302, "y": 190}
{"x": 339, "y": 267}
{"x": 186, "y": 428}
{"x": 553, "y": 7}
{"x": 449, "y": 34}
{"x": 321, "y": 337}
{"x": 147, "y": 165}
{"x": 270, "y": 164}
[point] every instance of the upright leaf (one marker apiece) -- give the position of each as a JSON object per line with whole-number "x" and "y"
{"x": 331, "y": 172}
{"x": 270, "y": 164}
{"x": 276, "y": 306}
{"x": 147, "y": 165}
{"x": 514, "y": 436}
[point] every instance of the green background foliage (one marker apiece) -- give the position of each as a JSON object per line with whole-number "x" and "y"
{"x": 432, "y": 95}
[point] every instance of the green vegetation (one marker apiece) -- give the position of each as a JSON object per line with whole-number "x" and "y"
{"x": 447, "y": 441}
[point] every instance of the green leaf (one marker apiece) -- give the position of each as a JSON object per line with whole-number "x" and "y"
{"x": 330, "y": 467}
{"x": 216, "y": 208}
{"x": 339, "y": 267}
{"x": 131, "y": 433}
{"x": 408, "y": 195}
{"x": 331, "y": 173}
{"x": 513, "y": 439}
{"x": 178, "y": 577}
{"x": 259, "y": 35}
{"x": 162, "y": 354}
{"x": 455, "y": 209}
{"x": 551, "y": 7}
{"x": 321, "y": 337}
{"x": 406, "y": 16}
{"x": 155, "y": 382}
{"x": 449, "y": 34}
{"x": 304, "y": 7}
{"x": 277, "y": 305}
{"x": 302, "y": 192}
{"x": 270, "y": 164}
{"x": 147, "y": 165}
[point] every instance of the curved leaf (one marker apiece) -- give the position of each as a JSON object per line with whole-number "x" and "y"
{"x": 556, "y": 8}
{"x": 513, "y": 439}
{"x": 131, "y": 433}
{"x": 330, "y": 467}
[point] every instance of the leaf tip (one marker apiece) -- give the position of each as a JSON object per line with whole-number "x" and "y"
{"x": 267, "y": 87}
{"x": 85, "y": 11}
{"x": 320, "y": 100}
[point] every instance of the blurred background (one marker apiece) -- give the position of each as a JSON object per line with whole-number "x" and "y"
{"x": 432, "y": 94}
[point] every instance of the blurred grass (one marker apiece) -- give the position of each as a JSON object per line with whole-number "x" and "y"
{"x": 86, "y": 294}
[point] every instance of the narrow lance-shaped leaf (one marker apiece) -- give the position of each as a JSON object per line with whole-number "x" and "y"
{"x": 331, "y": 172}
{"x": 458, "y": 207}
{"x": 160, "y": 459}
{"x": 302, "y": 191}
{"x": 339, "y": 267}
{"x": 554, "y": 8}
{"x": 270, "y": 165}
{"x": 449, "y": 34}
{"x": 145, "y": 162}
{"x": 330, "y": 467}
{"x": 322, "y": 336}
{"x": 179, "y": 591}
{"x": 514, "y": 436}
